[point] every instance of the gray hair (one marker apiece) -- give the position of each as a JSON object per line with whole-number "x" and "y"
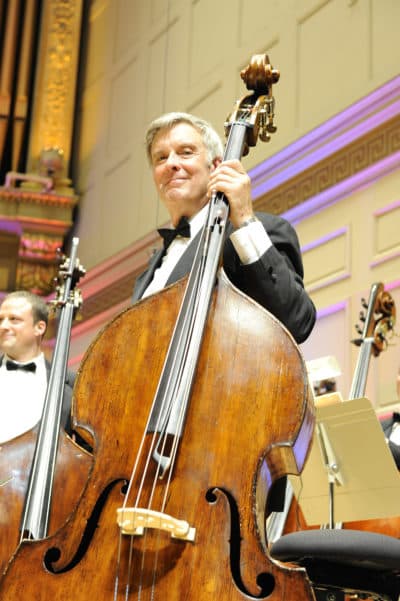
{"x": 211, "y": 139}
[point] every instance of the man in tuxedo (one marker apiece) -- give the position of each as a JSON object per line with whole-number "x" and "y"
{"x": 24, "y": 370}
{"x": 391, "y": 427}
{"x": 261, "y": 254}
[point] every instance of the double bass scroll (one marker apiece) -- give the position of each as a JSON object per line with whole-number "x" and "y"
{"x": 378, "y": 323}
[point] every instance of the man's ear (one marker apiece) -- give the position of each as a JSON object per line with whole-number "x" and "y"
{"x": 40, "y": 327}
{"x": 215, "y": 162}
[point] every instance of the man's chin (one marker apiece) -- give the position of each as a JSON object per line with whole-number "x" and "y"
{"x": 5, "y": 348}
{"x": 175, "y": 192}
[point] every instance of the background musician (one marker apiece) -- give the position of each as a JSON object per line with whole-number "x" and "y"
{"x": 24, "y": 370}
{"x": 391, "y": 427}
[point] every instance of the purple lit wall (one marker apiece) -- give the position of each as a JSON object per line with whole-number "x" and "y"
{"x": 332, "y": 136}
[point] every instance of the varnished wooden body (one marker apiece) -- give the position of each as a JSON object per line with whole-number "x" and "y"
{"x": 249, "y": 422}
{"x": 72, "y": 470}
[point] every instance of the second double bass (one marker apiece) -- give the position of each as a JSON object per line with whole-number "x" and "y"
{"x": 175, "y": 505}
{"x": 43, "y": 471}
{"x": 378, "y": 322}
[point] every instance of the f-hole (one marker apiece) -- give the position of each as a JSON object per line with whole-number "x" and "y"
{"x": 265, "y": 581}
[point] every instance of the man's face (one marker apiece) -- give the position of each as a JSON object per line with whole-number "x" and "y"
{"x": 181, "y": 170}
{"x": 19, "y": 336}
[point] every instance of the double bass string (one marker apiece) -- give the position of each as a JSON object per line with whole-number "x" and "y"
{"x": 173, "y": 373}
{"x": 173, "y": 405}
{"x": 159, "y": 440}
{"x": 173, "y": 391}
{"x": 127, "y": 496}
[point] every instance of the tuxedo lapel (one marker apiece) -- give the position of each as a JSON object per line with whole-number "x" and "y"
{"x": 185, "y": 263}
{"x": 181, "y": 269}
{"x": 145, "y": 278}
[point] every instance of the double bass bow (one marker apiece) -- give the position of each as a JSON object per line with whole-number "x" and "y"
{"x": 175, "y": 505}
{"x": 44, "y": 471}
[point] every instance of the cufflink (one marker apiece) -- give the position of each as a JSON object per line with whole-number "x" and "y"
{"x": 248, "y": 221}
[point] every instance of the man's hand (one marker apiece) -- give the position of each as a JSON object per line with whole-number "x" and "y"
{"x": 230, "y": 178}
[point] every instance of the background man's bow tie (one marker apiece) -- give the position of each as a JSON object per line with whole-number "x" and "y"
{"x": 168, "y": 234}
{"x": 11, "y": 365}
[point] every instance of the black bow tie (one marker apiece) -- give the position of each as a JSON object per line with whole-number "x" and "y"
{"x": 12, "y": 366}
{"x": 182, "y": 229}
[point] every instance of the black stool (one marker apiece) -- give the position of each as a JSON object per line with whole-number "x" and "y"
{"x": 342, "y": 562}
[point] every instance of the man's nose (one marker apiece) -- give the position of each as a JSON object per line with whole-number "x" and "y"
{"x": 173, "y": 159}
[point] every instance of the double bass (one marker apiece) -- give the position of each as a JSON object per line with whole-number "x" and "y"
{"x": 378, "y": 317}
{"x": 175, "y": 505}
{"x": 43, "y": 471}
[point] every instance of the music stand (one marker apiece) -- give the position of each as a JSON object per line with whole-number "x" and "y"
{"x": 350, "y": 474}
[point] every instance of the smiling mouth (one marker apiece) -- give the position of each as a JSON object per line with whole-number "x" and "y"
{"x": 176, "y": 180}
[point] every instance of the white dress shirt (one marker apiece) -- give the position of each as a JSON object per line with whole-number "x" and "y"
{"x": 250, "y": 243}
{"x": 22, "y": 395}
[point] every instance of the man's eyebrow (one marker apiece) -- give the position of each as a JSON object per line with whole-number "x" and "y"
{"x": 188, "y": 145}
{"x": 157, "y": 151}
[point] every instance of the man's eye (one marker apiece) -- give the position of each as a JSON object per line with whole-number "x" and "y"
{"x": 187, "y": 152}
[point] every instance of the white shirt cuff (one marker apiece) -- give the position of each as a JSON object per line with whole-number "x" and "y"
{"x": 251, "y": 242}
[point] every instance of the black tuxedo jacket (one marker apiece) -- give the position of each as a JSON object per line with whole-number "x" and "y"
{"x": 275, "y": 281}
{"x": 67, "y": 398}
{"x": 387, "y": 426}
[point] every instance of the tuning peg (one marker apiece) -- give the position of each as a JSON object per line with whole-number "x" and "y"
{"x": 364, "y": 303}
{"x": 264, "y": 136}
{"x": 358, "y": 329}
{"x": 362, "y": 316}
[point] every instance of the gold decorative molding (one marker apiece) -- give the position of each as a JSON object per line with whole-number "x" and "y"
{"x": 18, "y": 197}
{"x": 55, "y": 86}
{"x": 9, "y": 244}
{"x": 364, "y": 152}
{"x": 43, "y": 219}
{"x": 40, "y": 202}
{"x": 35, "y": 277}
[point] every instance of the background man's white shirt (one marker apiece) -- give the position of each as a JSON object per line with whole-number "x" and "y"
{"x": 22, "y": 395}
